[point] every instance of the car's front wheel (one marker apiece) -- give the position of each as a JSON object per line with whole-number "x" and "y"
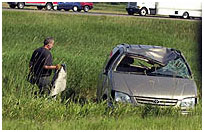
{"x": 185, "y": 15}
{"x": 143, "y": 12}
{"x": 21, "y": 5}
{"x": 48, "y": 6}
{"x": 55, "y": 8}
{"x": 86, "y": 8}
{"x": 75, "y": 8}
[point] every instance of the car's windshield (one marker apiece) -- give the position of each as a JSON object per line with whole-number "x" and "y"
{"x": 142, "y": 66}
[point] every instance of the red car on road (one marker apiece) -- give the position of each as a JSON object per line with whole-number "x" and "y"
{"x": 75, "y": 6}
{"x": 86, "y": 6}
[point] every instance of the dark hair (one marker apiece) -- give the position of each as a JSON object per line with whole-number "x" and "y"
{"x": 48, "y": 40}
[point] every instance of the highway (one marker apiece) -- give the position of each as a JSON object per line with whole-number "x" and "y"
{"x": 99, "y": 14}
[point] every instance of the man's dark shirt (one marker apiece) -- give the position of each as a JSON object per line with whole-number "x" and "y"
{"x": 40, "y": 58}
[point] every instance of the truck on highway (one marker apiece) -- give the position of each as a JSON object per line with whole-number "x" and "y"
{"x": 141, "y": 8}
{"x": 40, "y": 5}
{"x": 172, "y": 8}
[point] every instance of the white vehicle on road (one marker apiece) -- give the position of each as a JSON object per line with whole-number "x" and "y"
{"x": 172, "y": 8}
{"x": 39, "y": 5}
{"x": 141, "y": 8}
{"x": 177, "y": 8}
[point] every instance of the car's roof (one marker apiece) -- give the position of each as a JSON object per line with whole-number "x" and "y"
{"x": 158, "y": 53}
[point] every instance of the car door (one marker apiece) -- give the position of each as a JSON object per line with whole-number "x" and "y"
{"x": 105, "y": 78}
{"x": 60, "y": 5}
{"x": 68, "y": 5}
{"x": 102, "y": 80}
{"x": 35, "y": 3}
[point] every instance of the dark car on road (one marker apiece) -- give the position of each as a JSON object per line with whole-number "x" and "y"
{"x": 75, "y": 6}
{"x": 144, "y": 74}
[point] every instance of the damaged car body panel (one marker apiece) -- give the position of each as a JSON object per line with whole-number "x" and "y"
{"x": 145, "y": 74}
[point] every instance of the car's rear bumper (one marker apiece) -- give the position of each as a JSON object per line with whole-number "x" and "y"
{"x": 91, "y": 7}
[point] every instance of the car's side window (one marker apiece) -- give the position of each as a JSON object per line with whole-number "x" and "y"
{"x": 133, "y": 64}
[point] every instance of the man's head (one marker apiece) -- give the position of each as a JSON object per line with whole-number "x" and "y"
{"x": 49, "y": 43}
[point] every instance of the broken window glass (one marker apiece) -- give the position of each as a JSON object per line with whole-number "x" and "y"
{"x": 175, "y": 68}
{"x": 143, "y": 66}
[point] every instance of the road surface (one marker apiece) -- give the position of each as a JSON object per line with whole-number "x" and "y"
{"x": 98, "y": 14}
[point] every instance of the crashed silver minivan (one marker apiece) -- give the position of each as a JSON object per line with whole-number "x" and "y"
{"x": 145, "y": 74}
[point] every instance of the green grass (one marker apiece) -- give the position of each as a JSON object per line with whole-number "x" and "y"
{"x": 131, "y": 123}
{"x": 109, "y": 8}
{"x": 83, "y": 43}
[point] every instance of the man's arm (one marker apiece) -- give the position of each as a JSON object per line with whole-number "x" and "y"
{"x": 52, "y": 67}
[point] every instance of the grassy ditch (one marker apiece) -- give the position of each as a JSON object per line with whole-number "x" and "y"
{"x": 49, "y": 115}
{"x": 83, "y": 43}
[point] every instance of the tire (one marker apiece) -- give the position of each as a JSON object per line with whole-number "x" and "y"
{"x": 185, "y": 15}
{"x": 75, "y": 8}
{"x": 54, "y": 8}
{"x": 48, "y": 6}
{"x": 130, "y": 13}
{"x": 20, "y": 5}
{"x": 12, "y": 6}
{"x": 86, "y": 8}
{"x": 39, "y": 7}
{"x": 143, "y": 12}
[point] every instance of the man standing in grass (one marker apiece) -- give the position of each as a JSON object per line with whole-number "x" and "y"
{"x": 41, "y": 67}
